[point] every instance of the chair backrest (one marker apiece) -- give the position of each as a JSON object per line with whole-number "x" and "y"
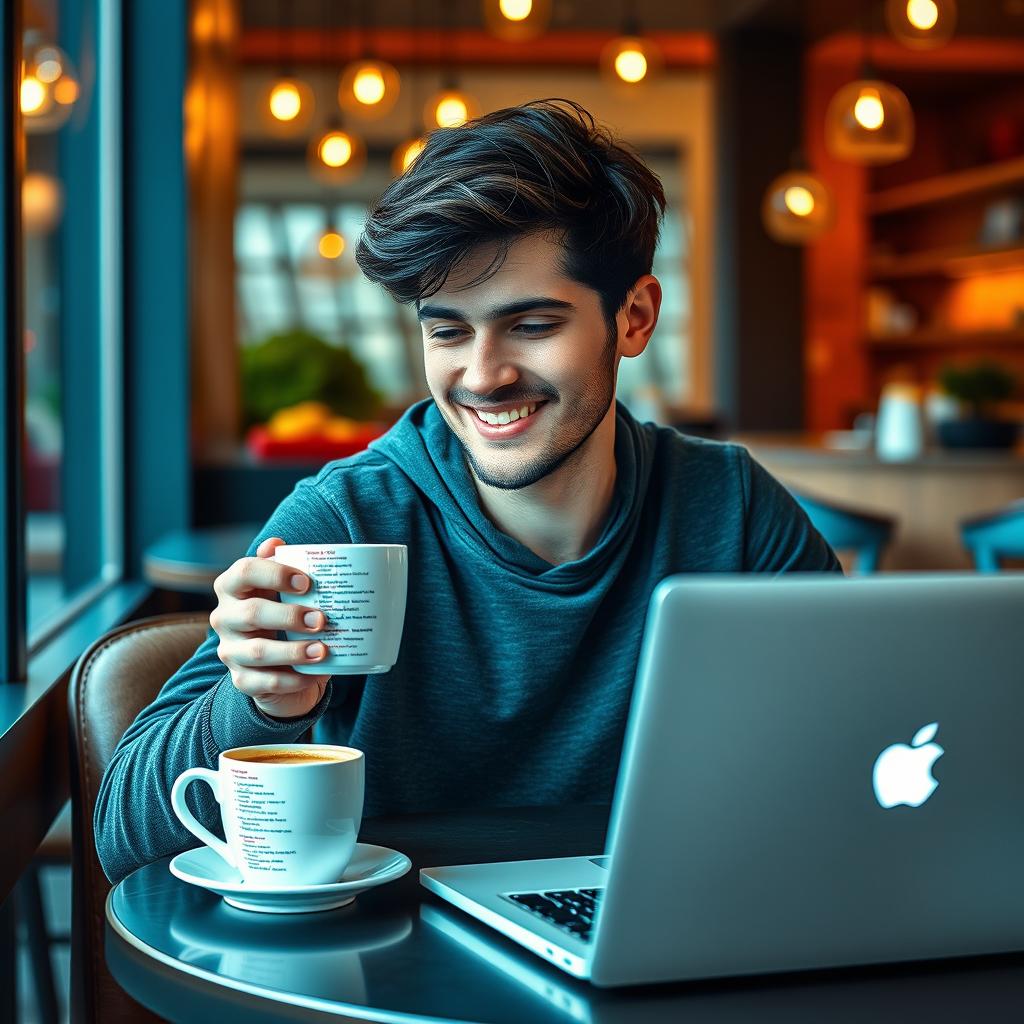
{"x": 991, "y": 538}
{"x": 850, "y": 529}
{"x": 119, "y": 675}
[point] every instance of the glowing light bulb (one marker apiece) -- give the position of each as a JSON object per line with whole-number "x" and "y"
{"x": 411, "y": 151}
{"x": 335, "y": 149}
{"x": 799, "y": 201}
{"x": 33, "y": 94}
{"x": 451, "y": 112}
{"x": 630, "y": 65}
{"x": 368, "y": 86}
{"x": 331, "y": 245}
{"x": 868, "y": 110}
{"x": 285, "y": 102}
{"x": 922, "y": 14}
{"x": 515, "y": 10}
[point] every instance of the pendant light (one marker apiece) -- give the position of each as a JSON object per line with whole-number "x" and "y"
{"x": 921, "y": 24}
{"x": 368, "y": 87}
{"x": 798, "y": 206}
{"x": 335, "y": 154}
{"x": 49, "y": 84}
{"x": 404, "y": 154}
{"x": 630, "y": 60}
{"x": 516, "y": 20}
{"x": 286, "y": 102}
{"x": 450, "y": 107}
{"x": 869, "y": 121}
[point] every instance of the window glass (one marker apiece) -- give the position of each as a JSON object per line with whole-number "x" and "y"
{"x": 72, "y": 334}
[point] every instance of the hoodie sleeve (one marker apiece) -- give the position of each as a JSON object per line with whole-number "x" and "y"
{"x": 197, "y": 714}
{"x": 778, "y": 536}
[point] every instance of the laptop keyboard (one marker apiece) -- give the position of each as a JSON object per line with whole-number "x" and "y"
{"x": 570, "y": 909}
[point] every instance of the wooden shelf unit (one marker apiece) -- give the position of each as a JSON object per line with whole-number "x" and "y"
{"x": 948, "y": 339}
{"x": 954, "y": 261}
{"x": 945, "y": 187}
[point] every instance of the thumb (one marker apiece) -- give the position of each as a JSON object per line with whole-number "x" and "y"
{"x": 268, "y": 546}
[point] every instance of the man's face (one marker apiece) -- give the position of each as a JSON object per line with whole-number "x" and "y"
{"x": 528, "y": 348}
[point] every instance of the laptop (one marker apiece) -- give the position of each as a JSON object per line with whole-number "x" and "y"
{"x": 817, "y": 772}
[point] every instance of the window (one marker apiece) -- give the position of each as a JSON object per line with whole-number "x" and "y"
{"x": 70, "y": 245}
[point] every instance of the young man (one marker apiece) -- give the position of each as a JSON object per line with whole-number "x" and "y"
{"x": 538, "y": 513}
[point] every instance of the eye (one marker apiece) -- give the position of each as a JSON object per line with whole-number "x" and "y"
{"x": 444, "y": 335}
{"x": 534, "y": 328}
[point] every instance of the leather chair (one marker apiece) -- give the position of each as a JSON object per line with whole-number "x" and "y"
{"x": 119, "y": 675}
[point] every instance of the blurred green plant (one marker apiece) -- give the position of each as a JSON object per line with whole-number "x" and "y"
{"x": 979, "y": 385}
{"x": 298, "y": 366}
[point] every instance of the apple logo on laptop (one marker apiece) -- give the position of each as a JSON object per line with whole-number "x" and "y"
{"x": 903, "y": 775}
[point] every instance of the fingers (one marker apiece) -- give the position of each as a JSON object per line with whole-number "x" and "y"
{"x": 268, "y": 546}
{"x": 262, "y": 651}
{"x": 247, "y": 575}
{"x": 256, "y": 613}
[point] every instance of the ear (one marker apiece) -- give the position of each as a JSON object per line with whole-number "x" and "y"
{"x": 639, "y": 316}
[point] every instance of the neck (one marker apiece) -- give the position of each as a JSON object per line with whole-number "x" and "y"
{"x": 560, "y": 517}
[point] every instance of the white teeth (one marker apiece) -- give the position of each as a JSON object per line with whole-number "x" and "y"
{"x": 504, "y": 418}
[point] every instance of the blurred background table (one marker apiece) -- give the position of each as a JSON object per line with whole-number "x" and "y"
{"x": 929, "y": 496}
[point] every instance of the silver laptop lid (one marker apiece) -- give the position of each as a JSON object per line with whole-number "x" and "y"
{"x": 756, "y": 828}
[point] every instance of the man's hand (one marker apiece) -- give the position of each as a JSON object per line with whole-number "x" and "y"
{"x": 247, "y": 617}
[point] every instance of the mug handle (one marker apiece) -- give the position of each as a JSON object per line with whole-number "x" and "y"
{"x": 188, "y": 819}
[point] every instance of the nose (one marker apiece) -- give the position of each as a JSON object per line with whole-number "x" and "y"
{"x": 488, "y": 367}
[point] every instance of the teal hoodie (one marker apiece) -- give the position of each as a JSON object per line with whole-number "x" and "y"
{"x": 514, "y": 676}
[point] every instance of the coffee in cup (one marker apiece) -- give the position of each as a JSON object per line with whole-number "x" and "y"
{"x": 291, "y": 812}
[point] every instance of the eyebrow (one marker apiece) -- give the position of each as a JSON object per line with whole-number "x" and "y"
{"x": 497, "y": 312}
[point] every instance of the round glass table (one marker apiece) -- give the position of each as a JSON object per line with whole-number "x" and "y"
{"x": 401, "y": 954}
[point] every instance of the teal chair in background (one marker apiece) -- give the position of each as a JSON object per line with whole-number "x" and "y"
{"x": 849, "y": 529}
{"x": 992, "y": 537}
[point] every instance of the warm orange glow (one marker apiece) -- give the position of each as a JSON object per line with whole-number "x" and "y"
{"x": 66, "y": 90}
{"x": 33, "y": 95}
{"x": 285, "y": 101}
{"x": 451, "y": 111}
{"x": 799, "y": 201}
{"x": 868, "y": 109}
{"x": 985, "y": 302}
{"x": 335, "y": 149}
{"x": 331, "y": 245}
{"x": 407, "y": 153}
{"x": 922, "y": 14}
{"x": 368, "y": 86}
{"x": 515, "y": 10}
{"x": 630, "y": 64}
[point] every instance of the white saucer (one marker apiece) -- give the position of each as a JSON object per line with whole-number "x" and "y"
{"x": 370, "y": 866}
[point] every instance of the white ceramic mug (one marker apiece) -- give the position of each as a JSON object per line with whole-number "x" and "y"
{"x": 361, "y": 590}
{"x": 285, "y": 824}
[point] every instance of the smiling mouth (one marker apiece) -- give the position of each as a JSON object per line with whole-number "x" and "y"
{"x": 503, "y": 417}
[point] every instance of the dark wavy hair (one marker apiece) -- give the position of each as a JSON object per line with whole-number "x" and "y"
{"x": 544, "y": 165}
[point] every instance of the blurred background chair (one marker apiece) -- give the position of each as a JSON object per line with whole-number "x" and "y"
{"x": 112, "y": 682}
{"x": 866, "y": 534}
{"x": 992, "y": 538}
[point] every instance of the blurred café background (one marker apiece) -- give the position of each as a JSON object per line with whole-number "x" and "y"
{"x": 187, "y": 334}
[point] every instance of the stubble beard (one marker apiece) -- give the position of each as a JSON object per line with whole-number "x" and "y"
{"x": 589, "y": 410}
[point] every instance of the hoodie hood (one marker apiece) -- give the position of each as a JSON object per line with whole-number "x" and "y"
{"x": 423, "y": 447}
